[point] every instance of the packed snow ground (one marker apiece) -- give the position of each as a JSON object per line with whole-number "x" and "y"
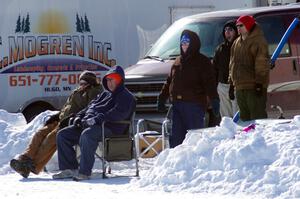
{"x": 220, "y": 162}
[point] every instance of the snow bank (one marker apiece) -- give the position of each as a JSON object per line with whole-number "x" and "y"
{"x": 15, "y": 135}
{"x": 263, "y": 162}
{"x": 225, "y": 159}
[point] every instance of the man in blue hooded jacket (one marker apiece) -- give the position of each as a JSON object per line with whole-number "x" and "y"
{"x": 114, "y": 104}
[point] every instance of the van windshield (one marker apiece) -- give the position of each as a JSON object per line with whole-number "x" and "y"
{"x": 209, "y": 31}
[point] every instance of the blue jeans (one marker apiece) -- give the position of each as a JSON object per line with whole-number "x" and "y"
{"x": 87, "y": 139}
{"x": 186, "y": 115}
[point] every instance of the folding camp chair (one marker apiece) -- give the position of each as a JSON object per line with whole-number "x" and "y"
{"x": 118, "y": 147}
{"x": 151, "y": 143}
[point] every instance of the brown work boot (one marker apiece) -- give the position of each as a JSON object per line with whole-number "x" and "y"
{"x": 23, "y": 165}
{"x": 20, "y": 168}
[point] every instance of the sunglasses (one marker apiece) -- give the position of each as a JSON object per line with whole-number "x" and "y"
{"x": 239, "y": 25}
{"x": 185, "y": 43}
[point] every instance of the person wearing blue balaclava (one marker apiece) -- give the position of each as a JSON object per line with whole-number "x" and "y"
{"x": 189, "y": 83}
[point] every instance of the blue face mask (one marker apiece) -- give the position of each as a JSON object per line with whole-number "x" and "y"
{"x": 185, "y": 39}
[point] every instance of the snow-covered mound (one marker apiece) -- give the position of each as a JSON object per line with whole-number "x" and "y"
{"x": 226, "y": 159}
{"x": 15, "y": 135}
{"x": 262, "y": 162}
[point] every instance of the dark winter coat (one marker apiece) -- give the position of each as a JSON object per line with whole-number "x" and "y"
{"x": 249, "y": 61}
{"x": 111, "y": 106}
{"x": 192, "y": 76}
{"x": 78, "y": 100}
{"x": 222, "y": 56}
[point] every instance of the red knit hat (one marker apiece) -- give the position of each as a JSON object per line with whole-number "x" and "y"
{"x": 116, "y": 77}
{"x": 247, "y": 20}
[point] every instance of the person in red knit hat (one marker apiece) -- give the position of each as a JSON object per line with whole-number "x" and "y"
{"x": 249, "y": 69}
{"x": 247, "y": 21}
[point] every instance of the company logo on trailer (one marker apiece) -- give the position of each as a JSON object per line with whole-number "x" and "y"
{"x": 72, "y": 52}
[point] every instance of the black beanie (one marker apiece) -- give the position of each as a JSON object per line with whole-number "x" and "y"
{"x": 89, "y": 77}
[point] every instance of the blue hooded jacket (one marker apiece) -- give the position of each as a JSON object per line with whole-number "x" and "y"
{"x": 111, "y": 106}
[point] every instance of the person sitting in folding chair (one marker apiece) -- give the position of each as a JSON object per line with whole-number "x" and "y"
{"x": 114, "y": 104}
{"x": 43, "y": 143}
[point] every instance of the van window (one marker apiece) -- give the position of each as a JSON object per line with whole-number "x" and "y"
{"x": 209, "y": 31}
{"x": 274, "y": 29}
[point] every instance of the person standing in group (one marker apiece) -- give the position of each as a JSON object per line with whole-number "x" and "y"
{"x": 190, "y": 81}
{"x": 249, "y": 69}
{"x": 228, "y": 103}
{"x": 43, "y": 143}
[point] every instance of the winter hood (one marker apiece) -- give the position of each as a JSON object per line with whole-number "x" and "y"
{"x": 230, "y": 23}
{"x": 115, "y": 69}
{"x": 194, "y": 45}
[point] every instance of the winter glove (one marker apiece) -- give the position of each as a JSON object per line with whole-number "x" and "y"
{"x": 71, "y": 121}
{"x": 53, "y": 118}
{"x": 258, "y": 89}
{"x": 161, "y": 106}
{"x": 91, "y": 121}
{"x": 231, "y": 92}
{"x": 77, "y": 122}
{"x": 215, "y": 104}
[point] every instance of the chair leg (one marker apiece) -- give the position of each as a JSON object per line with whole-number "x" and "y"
{"x": 107, "y": 168}
{"x": 136, "y": 157}
{"x": 104, "y": 175}
{"x": 137, "y": 172}
{"x": 103, "y": 167}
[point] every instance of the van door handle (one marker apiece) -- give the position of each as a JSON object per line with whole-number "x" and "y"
{"x": 295, "y": 67}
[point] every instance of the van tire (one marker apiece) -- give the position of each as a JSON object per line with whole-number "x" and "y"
{"x": 33, "y": 110}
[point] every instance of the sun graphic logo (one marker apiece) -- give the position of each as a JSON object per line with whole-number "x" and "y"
{"x": 49, "y": 22}
{"x": 52, "y": 22}
{"x": 51, "y": 35}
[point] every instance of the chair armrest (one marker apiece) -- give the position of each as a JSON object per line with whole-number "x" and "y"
{"x": 116, "y": 122}
{"x": 129, "y": 122}
{"x": 152, "y": 122}
{"x": 146, "y": 124}
{"x": 121, "y": 122}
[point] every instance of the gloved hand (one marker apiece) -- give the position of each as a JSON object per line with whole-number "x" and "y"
{"x": 77, "y": 122}
{"x": 161, "y": 106}
{"x": 71, "y": 121}
{"x": 231, "y": 92}
{"x": 258, "y": 89}
{"x": 91, "y": 121}
{"x": 215, "y": 104}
